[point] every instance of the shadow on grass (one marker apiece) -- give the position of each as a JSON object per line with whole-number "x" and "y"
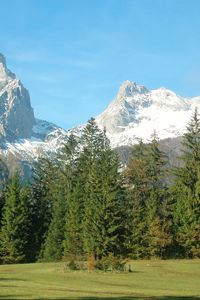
{"x": 127, "y": 298}
{"x": 12, "y": 279}
{"x": 136, "y": 298}
{"x": 141, "y": 298}
{"x": 15, "y": 297}
{"x": 103, "y": 298}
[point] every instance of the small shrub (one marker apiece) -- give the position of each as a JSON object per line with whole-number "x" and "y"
{"x": 111, "y": 263}
{"x": 72, "y": 265}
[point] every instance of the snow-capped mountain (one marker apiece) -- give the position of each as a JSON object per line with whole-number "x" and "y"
{"x": 21, "y": 135}
{"x": 137, "y": 112}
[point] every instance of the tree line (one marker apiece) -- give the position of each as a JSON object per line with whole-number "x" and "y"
{"x": 84, "y": 203}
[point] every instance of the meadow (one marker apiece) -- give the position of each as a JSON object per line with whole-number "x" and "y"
{"x": 153, "y": 279}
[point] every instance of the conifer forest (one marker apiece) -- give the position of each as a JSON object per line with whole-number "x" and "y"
{"x": 83, "y": 203}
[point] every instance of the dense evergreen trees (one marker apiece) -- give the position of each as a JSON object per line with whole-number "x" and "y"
{"x": 53, "y": 245}
{"x": 4, "y": 175}
{"x": 81, "y": 204}
{"x": 147, "y": 196}
{"x": 95, "y": 208}
{"x": 14, "y": 234}
{"x": 42, "y": 195}
{"x": 186, "y": 192}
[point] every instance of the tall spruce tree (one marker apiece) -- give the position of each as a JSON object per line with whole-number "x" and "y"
{"x": 148, "y": 234}
{"x": 73, "y": 241}
{"x": 158, "y": 229}
{"x": 53, "y": 245}
{"x": 92, "y": 143}
{"x": 42, "y": 196}
{"x": 2, "y": 200}
{"x": 74, "y": 187}
{"x": 103, "y": 224}
{"x": 57, "y": 236}
{"x": 186, "y": 191}
{"x": 138, "y": 191}
{"x": 4, "y": 175}
{"x": 190, "y": 154}
{"x": 15, "y": 224}
{"x": 182, "y": 220}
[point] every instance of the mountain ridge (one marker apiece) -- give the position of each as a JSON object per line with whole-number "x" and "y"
{"x": 23, "y": 138}
{"x": 133, "y": 114}
{"x": 137, "y": 111}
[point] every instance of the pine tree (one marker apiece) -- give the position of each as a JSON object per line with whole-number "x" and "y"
{"x": 57, "y": 236}
{"x": 158, "y": 234}
{"x": 104, "y": 204}
{"x": 2, "y": 202}
{"x": 190, "y": 154}
{"x": 186, "y": 191}
{"x": 15, "y": 224}
{"x": 104, "y": 209}
{"x": 42, "y": 196}
{"x": 182, "y": 217}
{"x": 196, "y": 219}
{"x": 147, "y": 193}
{"x": 74, "y": 191}
{"x": 73, "y": 242}
{"x": 53, "y": 245}
{"x": 138, "y": 190}
{"x": 92, "y": 144}
{"x": 4, "y": 175}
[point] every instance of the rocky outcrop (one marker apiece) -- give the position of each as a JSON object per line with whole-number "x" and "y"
{"x": 16, "y": 114}
{"x": 122, "y": 111}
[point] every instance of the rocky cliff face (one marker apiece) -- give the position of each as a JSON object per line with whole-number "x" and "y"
{"x": 16, "y": 114}
{"x": 22, "y": 137}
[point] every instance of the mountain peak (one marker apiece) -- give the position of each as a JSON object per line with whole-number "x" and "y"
{"x": 136, "y": 112}
{"x": 166, "y": 91}
{"x": 2, "y": 59}
{"x": 16, "y": 114}
{"x": 5, "y": 74}
{"x": 129, "y": 88}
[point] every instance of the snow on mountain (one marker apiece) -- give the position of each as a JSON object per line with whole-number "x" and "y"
{"x": 21, "y": 134}
{"x": 46, "y": 139}
{"x": 137, "y": 112}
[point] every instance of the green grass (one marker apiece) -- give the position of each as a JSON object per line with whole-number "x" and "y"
{"x": 154, "y": 279}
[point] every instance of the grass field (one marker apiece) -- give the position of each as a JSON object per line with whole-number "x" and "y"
{"x": 169, "y": 280}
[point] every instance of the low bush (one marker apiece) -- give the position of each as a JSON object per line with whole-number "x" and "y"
{"x": 111, "y": 263}
{"x": 106, "y": 263}
{"x": 73, "y": 265}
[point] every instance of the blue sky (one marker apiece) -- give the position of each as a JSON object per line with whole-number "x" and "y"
{"x": 72, "y": 55}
